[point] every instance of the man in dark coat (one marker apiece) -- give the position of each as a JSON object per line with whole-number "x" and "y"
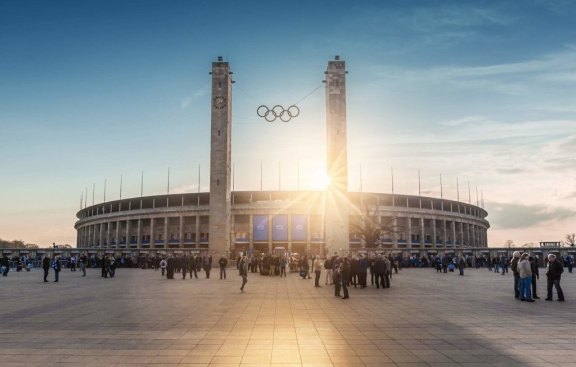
{"x": 184, "y": 267}
{"x": 207, "y": 265}
{"x": 192, "y": 266}
{"x": 554, "y": 272}
{"x": 354, "y": 271}
{"x": 345, "y": 277}
{"x": 170, "y": 268}
{"x": 104, "y": 267}
{"x": 46, "y": 267}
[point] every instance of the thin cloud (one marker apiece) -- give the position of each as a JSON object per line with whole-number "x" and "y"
{"x": 187, "y": 101}
{"x": 518, "y": 215}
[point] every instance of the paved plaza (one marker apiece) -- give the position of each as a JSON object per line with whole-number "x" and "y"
{"x": 142, "y": 319}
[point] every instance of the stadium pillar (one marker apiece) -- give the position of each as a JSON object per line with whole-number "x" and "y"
{"x": 337, "y": 203}
{"x": 220, "y": 158}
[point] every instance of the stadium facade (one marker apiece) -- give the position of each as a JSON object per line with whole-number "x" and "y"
{"x": 223, "y": 222}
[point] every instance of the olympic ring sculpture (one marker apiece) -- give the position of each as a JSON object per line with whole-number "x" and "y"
{"x": 271, "y": 114}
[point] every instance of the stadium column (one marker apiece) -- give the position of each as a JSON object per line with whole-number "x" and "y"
{"x": 181, "y": 232}
{"x": 336, "y": 203}
{"x": 444, "y": 239}
{"x": 197, "y": 240}
{"x": 89, "y": 235}
{"x": 165, "y": 232}
{"x": 409, "y": 220}
{"x": 462, "y": 233}
{"x": 309, "y": 236}
{"x": 270, "y": 233}
{"x": 251, "y": 233}
{"x": 453, "y": 233}
{"x": 395, "y": 234}
{"x": 289, "y": 231}
{"x": 152, "y": 234}
{"x": 220, "y": 158}
{"x": 128, "y": 232}
{"x": 118, "y": 239}
{"x": 108, "y": 234}
{"x": 422, "y": 232}
{"x": 474, "y": 241}
{"x": 101, "y": 234}
{"x": 139, "y": 233}
{"x": 433, "y": 224}
{"x": 468, "y": 240}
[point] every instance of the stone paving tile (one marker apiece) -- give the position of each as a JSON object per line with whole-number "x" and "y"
{"x": 141, "y": 319}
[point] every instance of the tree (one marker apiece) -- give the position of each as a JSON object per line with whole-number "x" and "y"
{"x": 369, "y": 230}
{"x": 530, "y": 244}
{"x": 570, "y": 239}
{"x": 509, "y": 244}
{"x": 16, "y": 244}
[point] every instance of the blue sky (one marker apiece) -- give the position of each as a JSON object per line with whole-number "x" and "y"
{"x": 480, "y": 90}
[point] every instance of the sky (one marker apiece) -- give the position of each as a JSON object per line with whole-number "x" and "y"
{"x": 479, "y": 91}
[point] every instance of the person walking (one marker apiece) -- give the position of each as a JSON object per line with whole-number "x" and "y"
{"x": 57, "y": 266}
{"x": 535, "y": 275}
{"x": 345, "y": 277}
{"x": 387, "y": 272}
{"x": 184, "y": 264}
{"x": 337, "y": 279}
{"x": 73, "y": 263}
{"x": 461, "y": 265}
{"x": 554, "y": 272}
{"x": 329, "y": 271}
{"x": 104, "y": 268}
{"x": 305, "y": 266}
{"x": 317, "y": 271}
{"x": 223, "y": 262}
{"x": 496, "y": 265}
{"x": 514, "y": 267}
{"x": 163, "y": 265}
{"x": 525, "y": 271}
{"x": 192, "y": 266}
{"x": 207, "y": 266}
{"x": 283, "y": 263}
{"x": 83, "y": 261}
{"x": 243, "y": 269}
{"x": 46, "y": 267}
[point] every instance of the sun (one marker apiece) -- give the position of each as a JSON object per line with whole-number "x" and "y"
{"x": 320, "y": 180}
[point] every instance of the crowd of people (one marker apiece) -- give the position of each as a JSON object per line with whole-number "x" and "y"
{"x": 340, "y": 271}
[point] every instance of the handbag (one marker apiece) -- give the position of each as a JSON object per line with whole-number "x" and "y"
{"x": 303, "y": 273}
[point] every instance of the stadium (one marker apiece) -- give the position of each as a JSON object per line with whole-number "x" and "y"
{"x": 225, "y": 222}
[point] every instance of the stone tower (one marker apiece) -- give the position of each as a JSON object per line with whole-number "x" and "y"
{"x": 220, "y": 158}
{"x": 337, "y": 204}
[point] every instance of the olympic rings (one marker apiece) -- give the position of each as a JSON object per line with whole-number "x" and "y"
{"x": 271, "y": 114}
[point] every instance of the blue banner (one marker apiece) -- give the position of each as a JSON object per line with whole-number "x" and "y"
{"x": 280, "y": 228}
{"x": 260, "y": 228}
{"x": 298, "y": 228}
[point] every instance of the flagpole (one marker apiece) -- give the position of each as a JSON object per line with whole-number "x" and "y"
{"x": 469, "y": 199}
{"x": 279, "y": 176}
{"x": 260, "y": 175}
{"x": 298, "y": 175}
{"x": 457, "y": 189}
{"x": 142, "y": 185}
{"x": 81, "y": 199}
{"x": 168, "y": 185}
{"x": 93, "y": 189}
{"x": 441, "y": 191}
{"x": 198, "y": 180}
{"x": 419, "y": 193}
{"x": 120, "y": 187}
{"x": 104, "y": 190}
{"x": 360, "y": 177}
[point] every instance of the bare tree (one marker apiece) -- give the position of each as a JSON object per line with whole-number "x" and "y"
{"x": 530, "y": 245}
{"x": 570, "y": 240}
{"x": 369, "y": 230}
{"x": 509, "y": 244}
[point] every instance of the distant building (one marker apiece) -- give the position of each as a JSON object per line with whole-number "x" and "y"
{"x": 550, "y": 244}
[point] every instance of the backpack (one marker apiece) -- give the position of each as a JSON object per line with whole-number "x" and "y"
{"x": 54, "y": 264}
